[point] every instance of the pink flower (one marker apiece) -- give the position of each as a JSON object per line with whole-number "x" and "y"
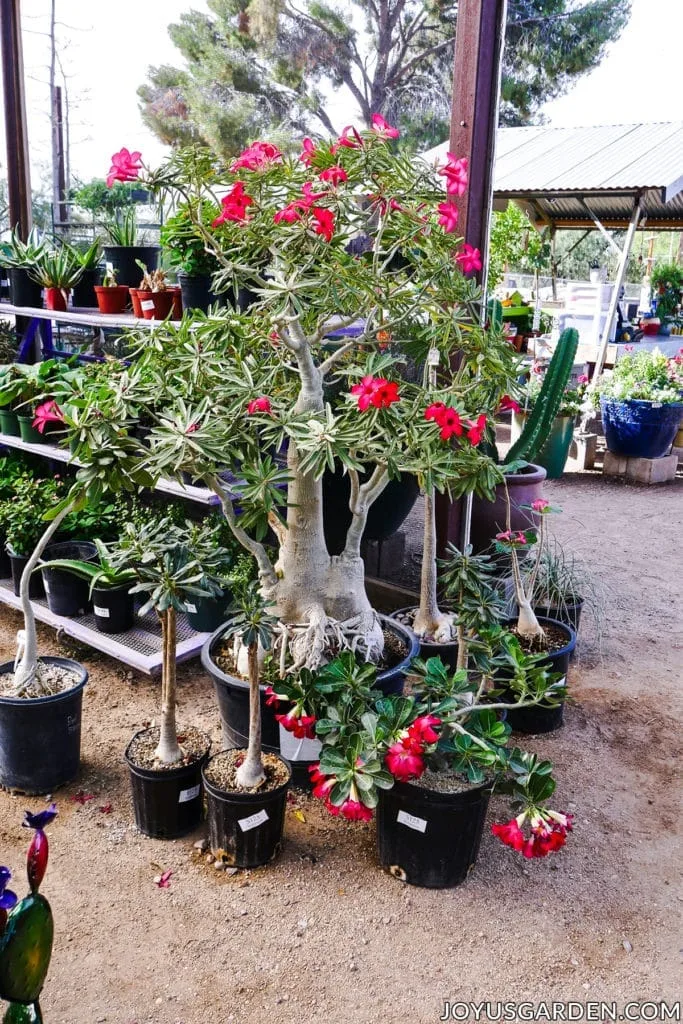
{"x": 455, "y": 173}
{"x": 448, "y": 216}
{"x": 354, "y": 810}
{"x": 261, "y": 404}
{"x": 476, "y": 430}
{"x": 334, "y": 174}
{"x": 308, "y": 151}
{"x": 386, "y": 393}
{"x": 163, "y": 881}
{"x": 324, "y": 222}
{"x": 48, "y": 412}
{"x": 435, "y": 411}
{"x": 364, "y": 391}
{"x": 310, "y": 197}
{"x": 422, "y": 729}
{"x": 508, "y": 404}
{"x": 383, "y": 129}
{"x": 289, "y": 214}
{"x": 125, "y": 166}
{"x": 302, "y": 726}
{"x": 582, "y": 379}
{"x": 256, "y": 157}
{"x": 469, "y": 259}
{"x": 509, "y": 833}
{"x": 272, "y": 699}
{"x": 404, "y": 763}
{"x": 540, "y": 505}
{"x": 450, "y": 424}
{"x": 349, "y": 141}
{"x": 234, "y": 205}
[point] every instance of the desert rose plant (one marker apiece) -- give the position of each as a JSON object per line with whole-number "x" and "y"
{"x": 346, "y": 233}
{"x": 511, "y": 542}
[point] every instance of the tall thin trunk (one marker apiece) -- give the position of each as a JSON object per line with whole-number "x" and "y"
{"x": 250, "y": 773}
{"x": 168, "y": 750}
{"x": 429, "y": 620}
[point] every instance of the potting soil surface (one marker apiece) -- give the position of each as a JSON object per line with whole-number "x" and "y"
{"x": 321, "y": 935}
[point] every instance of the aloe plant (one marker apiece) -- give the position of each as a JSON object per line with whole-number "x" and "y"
{"x": 102, "y": 574}
{"x": 124, "y": 231}
{"x": 17, "y": 253}
{"x": 57, "y": 268}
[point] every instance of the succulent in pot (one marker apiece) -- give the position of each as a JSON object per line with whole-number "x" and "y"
{"x": 20, "y": 257}
{"x": 109, "y": 587}
{"x": 88, "y": 258}
{"x": 553, "y": 453}
{"x": 153, "y": 298}
{"x": 189, "y": 256}
{"x": 111, "y": 297}
{"x": 57, "y": 271}
{"x": 126, "y": 247}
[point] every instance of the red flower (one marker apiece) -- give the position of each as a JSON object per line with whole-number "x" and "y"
{"x": 509, "y": 833}
{"x": 352, "y": 141}
{"x": 302, "y": 726}
{"x": 125, "y": 166}
{"x": 308, "y": 151}
{"x": 540, "y": 505}
{"x": 435, "y": 411}
{"x": 448, "y": 216}
{"x": 261, "y": 404}
{"x": 469, "y": 259}
{"x": 404, "y": 763}
{"x": 234, "y": 205}
{"x": 476, "y": 430}
{"x": 272, "y": 699}
{"x": 508, "y": 404}
{"x": 455, "y": 173}
{"x": 334, "y": 174}
{"x": 310, "y": 197}
{"x": 422, "y": 729}
{"x": 289, "y": 214}
{"x": 257, "y": 157}
{"x": 324, "y": 222}
{"x": 163, "y": 881}
{"x": 385, "y": 394}
{"x": 354, "y": 810}
{"x": 382, "y": 128}
{"x": 450, "y": 424}
{"x": 48, "y": 412}
{"x": 365, "y": 390}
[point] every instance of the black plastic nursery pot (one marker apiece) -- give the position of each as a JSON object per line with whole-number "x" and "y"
{"x": 67, "y": 594}
{"x": 206, "y": 614}
{"x": 83, "y": 296}
{"x": 23, "y": 290}
{"x": 123, "y": 257}
{"x": 40, "y": 737}
{"x": 570, "y": 613}
{"x": 448, "y": 652}
{"x": 429, "y": 838}
{"x": 167, "y": 803}
{"x": 245, "y": 829}
{"x": 5, "y": 564}
{"x": 9, "y": 423}
{"x": 18, "y": 564}
{"x": 540, "y": 718}
{"x": 113, "y": 609}
{"x": 196, "y": 292}
{"x": 386, "y": 514}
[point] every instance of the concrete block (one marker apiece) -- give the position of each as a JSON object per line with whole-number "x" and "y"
{"x": 678, "y": 452}
{"x": 582, "y": 452}
{"x": 641, "y": 471}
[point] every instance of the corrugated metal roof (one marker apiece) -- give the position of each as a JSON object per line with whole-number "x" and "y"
{"x": 607, "y": 165}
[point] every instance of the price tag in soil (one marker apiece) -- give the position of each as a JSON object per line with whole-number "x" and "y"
{"x": 189, "y": 794}
{"x": 102, "y": 612}
{"x": 418, "y": 824}
{"x": 192, "y": 608}
{"x": 253, "y": 821}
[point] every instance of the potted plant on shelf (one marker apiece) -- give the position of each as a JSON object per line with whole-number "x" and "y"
{"x": 23, "y": 516}
{"x": 88, "y": 258}
{"x": 20, "y": 258}
{"x": 553, "y": 454}
{"x": 641, "y": 402}
{"x": 57, "y": 271}
{"x": 14, "y": 471}
{"x": 123, "y": 251}
{"x": 108, "y": 587}
{"x": 111, "y": 297}
{"x": 666, "y": 282}
{"x": 189, "y": 256}
{"x": 246, "y": 790}
{"x": 153, "y": 298}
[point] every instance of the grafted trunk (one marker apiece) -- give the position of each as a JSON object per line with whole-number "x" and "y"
{"x": 430, "y": 621}
{"x": 168, "y": 751}
{"x": 250, "y": 773}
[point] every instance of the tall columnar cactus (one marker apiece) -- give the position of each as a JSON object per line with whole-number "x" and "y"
{"x": 26, "y": 931}
{"x": 539, "y": 424}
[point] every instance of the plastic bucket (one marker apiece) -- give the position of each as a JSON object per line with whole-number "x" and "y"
{"x": 206, "y": 614}
{"x": 427, "y": 838}
{"x": 24, "y": 291}
{"x": 123, "y": 257}
{"x": 83, "y": 295}
{"x": 28, "y": 432}
{"x": 66, "y": 593}
{"x": 40, "y": 737}
{"x": 245, "y": 828}
{"x": 196, "y": 292}
{"x": 167, "y": 804}
{"x": 113, "y": 608}
{"x": 638, "y": 429}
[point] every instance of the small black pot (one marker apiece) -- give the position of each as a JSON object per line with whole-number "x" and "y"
{"x": 196, "y": 292}
{"x": 570, "y": 614}
{"x": 113, "y": 608}
{"x": 5, "y": 564}
{"x": 123, "y": 257}
{"x": 427, "y": 838}
{"x": 206, "y": 614}
{"x": 40, "y": 737}
{"x": 23, "y": 290}
{"x": 167, "y": 804}
{"x": 448, "y": 652}
{"x": 67, "y": 594}
{"x": 539, "y": 718}
{"x": 83, "y": 295}
{"x": 18, "y": 564}
{"x": 245, "y": 828}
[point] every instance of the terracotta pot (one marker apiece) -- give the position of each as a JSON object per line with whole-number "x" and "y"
{"x": 112, "y": 299}
{"x": 163, "y": 305}
{"x": 135, "y": 302}
{"x": 57, "y": 299}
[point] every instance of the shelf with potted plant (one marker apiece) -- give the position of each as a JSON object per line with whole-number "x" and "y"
{"x": 57, "y": 271}
{"x": 20, "y": 258}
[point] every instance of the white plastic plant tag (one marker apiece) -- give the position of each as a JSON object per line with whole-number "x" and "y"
{"x": 189, "y": 794}
{"x": 299, "y": 750}
{"x": 412, "y": 821}
{"x": 46, "y": 586}
{"x": 253, "y": 821}
{"x": 191, "y": 607}
{"x": 656, "y": 405}
{"x": 102, "y": 612}
{"x": 433, "y": 357}
{"x": 146, "y": 304}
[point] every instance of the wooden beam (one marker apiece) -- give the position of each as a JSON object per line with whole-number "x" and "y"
{"x": 16, "y": 133}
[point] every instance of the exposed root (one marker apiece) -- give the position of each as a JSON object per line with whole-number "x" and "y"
{"x": 439, "y": 627}
{"x": 311, "y": 642}
{"x": 527, "y": 623}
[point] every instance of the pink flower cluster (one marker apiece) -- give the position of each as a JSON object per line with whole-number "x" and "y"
{"x": 352, "y": 809}
{"x": 125, "y": 166}
{"x": 234, "y": 205}
{"x": 512, "y": 537}
{"x": 257, "y": 157}
{"x": 323, "y": 219}
{"x": 48, "y": 412}
{"x": 375, "y": 391}
{"x": 455, "y": 173}
{"x": 405, "y": 758}
{"x": 261, "y": 404}
{"x": 451, "y": 423}
{"x": 541, "y": 505}
{"x": 548, "y": 833}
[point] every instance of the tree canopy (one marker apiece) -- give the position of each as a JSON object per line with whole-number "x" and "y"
{"x": 259, "y": 66}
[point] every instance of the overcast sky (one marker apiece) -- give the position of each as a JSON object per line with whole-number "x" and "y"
{"x": 107, "y": 47}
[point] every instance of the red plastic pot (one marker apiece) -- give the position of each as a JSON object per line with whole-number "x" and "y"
{"x": 112, "y": 299}
{"x": 57, "y": 299}
{"x": 163, "y": 305}
{"x": 135, "y": 300}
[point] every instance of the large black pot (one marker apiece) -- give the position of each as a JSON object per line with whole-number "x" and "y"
{"x": 23, "y": 290}
{"x": 232, "y": 694}
{"x": 113, "y": 609}
{"x": 386, "y": 514}
{"x": 18, "y": 564}
{"x": 196, "y": 292}
{"x": 123, "y": 257}
{"x": 67, "y": 594}
{"x": 40, "y": 737}
{"x": 570, "y": 613}
{"x": 167, "y": 804}
{"x": 83, "y": 295}
{"x": 428, "y": 838}
{"x": 539, "y": 718}
{"x": 245, "y": 828}
{"x": 448, "y": 652}
{"x": 206, "y": 614}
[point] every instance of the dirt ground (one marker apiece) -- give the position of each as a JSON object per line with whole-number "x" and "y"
{"x": 323, "y": 935}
